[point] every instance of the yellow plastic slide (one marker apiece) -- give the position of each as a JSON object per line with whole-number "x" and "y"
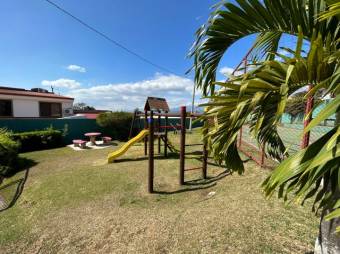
{"x": 112, "y": 156}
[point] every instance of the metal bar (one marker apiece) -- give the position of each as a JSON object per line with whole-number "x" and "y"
{"x": 132, "y": 124}
{"x": 182, "y": 146}
{"x": 250, "y": 156}
{"x": 151, "y": 153}
{"x": 193, "y": 115}
{"x": 243, "y": 59}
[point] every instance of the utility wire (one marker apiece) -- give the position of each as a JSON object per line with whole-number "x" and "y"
{"x": 110, "y": 39}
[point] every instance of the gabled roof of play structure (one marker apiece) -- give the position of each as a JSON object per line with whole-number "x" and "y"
{"x": 156, "y": 104}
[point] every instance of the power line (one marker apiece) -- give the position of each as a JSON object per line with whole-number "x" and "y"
{"x": 110, "y": 39}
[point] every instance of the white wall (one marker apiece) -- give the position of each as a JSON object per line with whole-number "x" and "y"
{"x": 69, "y": 106}
{"x": 28, "y": 106}
{"x": 25, "y": 108}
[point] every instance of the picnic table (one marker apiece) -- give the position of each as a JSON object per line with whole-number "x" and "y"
{"x": 92, "y": 136}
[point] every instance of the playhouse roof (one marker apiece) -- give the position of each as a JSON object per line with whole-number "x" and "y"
{"x": 157, "y": 104}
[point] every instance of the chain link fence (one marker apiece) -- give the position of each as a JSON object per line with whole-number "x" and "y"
{"x": 291, "y": 134}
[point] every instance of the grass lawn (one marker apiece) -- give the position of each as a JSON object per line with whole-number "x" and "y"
{"x": 75, "y": 203}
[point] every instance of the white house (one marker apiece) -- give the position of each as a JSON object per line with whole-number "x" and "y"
{"x": 34, "y": 103}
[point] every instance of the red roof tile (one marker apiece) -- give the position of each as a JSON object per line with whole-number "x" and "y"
{"x": 90, "y": 116}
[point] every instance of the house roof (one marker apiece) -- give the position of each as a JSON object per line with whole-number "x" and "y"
{"x": 157, "y": 104}
{"x": 23, "y": 92}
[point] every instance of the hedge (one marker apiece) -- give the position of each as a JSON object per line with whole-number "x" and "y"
{"x": 116, "y": 124}
{"x": 8, "y": 153}
{"x": 38, "y": 140}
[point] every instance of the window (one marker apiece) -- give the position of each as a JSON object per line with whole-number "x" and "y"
{"x": 6, "y": 108}
{"x": 48, "y": 109}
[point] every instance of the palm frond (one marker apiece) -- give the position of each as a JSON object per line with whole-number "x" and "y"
{"x": 269, "y": 19}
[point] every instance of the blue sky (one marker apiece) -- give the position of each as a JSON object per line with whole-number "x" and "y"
{"x": 40, "y": 46}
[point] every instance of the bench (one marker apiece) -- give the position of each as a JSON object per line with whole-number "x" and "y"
{"x": 106, "y": 140}
{"x": 79, "y": 143}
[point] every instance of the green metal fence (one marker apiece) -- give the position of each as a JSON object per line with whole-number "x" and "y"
{"x": 72, "y": 128}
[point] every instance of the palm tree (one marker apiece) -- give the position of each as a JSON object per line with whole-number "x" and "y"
{"x": 269, "y": 19}
{"x": 260, "y": 96}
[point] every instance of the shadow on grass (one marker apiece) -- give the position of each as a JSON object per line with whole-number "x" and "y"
{"x": 198, "y": 144}
{"x": 209, "y": 180}
{"x": 185, "y": 189}
{"x": 156, "y": 157}
{"x": 10, "y": 192}
{"x": 198, "y": 184}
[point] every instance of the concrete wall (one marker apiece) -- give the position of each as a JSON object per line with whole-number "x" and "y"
{"x": 28, "y": 106}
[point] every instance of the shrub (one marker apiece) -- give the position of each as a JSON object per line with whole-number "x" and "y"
{"x": 116, "y": 124}
{"x": 8, "y": 153}
{"x": 38, "y": 140}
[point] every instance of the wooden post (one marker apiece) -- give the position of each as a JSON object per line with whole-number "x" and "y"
{"x": 182, "y": 146}
{"x": 262, "y": 156}
{"x": 159, "y": 131}
{"x": 307, "y": 119}
{"x": 166, "y": 136}
{"x": 151, "y": 153}
{"x": 145, "y": 127}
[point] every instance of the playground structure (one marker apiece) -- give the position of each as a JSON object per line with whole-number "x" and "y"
{"x": 154, "y": 110}
{"x": 112, "y": 156}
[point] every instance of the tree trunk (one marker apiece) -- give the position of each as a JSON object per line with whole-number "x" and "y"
{"x": 328, "y": 242}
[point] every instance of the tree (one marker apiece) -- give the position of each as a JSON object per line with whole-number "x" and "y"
{"x": 260, "y": 96}
{"x": 296, "y": 104}
{"x": 82, "y": 106}
{"x": 117, "y": 124}
{"x": 268, "y": 19}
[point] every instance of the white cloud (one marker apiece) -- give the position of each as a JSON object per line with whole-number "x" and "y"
{"x": 128, "y": 96}
{"x": 73, "y": 67}
{"x": 227, "y": 71}
{"x": 62, "y": 83}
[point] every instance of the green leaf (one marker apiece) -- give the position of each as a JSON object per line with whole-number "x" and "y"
{"x": 325, "y": 113}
